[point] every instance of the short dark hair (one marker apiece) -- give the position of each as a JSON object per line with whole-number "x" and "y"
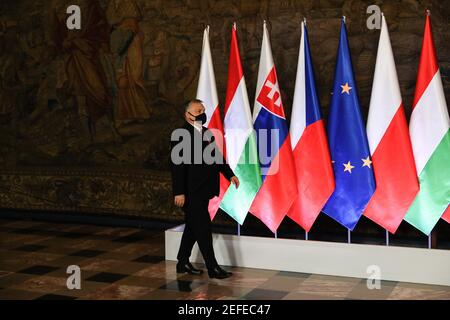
{"x": 188, "y": 103}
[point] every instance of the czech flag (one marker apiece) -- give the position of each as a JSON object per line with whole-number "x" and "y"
{"x": 315, "y": 179}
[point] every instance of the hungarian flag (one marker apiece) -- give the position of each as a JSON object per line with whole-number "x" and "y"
{"x": 390, "y": 146}
{"x": 279, "y": 187}
{"x": 315, "y": 179}
{"x": 349, "y": 148}
{"x": 242, "y": 152}
{"x": 446, "y": 215}
{"x": 430, "y": 138}
{"x": 207, "y": 92}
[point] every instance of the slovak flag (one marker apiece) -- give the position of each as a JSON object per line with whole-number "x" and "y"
{"x": 315, "y": 178}
{"x": 279, "y": 188}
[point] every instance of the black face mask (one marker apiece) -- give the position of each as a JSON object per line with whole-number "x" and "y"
{"x": 201, "y": 117}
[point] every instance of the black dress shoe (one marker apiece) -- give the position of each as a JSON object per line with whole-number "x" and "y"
{"x": 188, "y": 268}
{"x": 219, "y": 273}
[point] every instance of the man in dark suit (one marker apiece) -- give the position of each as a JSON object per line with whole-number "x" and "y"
{"x": 196, "y": 164}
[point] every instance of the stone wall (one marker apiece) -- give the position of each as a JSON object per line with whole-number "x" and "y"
{"x": 64, "y": 146}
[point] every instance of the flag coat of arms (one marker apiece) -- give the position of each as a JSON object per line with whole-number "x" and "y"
{"x": 279, "y": 187}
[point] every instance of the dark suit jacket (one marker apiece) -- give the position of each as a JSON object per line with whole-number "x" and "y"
{"x": 197, "y": 180}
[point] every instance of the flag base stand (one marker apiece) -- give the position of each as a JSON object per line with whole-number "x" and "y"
{"x": 418, "y": 265}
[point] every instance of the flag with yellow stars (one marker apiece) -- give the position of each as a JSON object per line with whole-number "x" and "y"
{"x": 349, "y": 149}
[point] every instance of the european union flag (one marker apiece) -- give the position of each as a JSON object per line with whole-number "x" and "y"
{"x": 349, "y": 149}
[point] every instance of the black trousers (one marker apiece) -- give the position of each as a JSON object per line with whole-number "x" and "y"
{"x": 197, "y": 229}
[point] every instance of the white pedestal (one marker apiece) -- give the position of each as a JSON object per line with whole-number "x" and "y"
{"x": 429, "y": 266}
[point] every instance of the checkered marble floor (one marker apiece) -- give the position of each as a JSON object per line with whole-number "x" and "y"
{"x": 128, "y": 263}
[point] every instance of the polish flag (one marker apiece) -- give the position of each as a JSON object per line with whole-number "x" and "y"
{"x": 315, "y": 178}
{"x": 390, "y": 146}
{"x": 207, "y": 92}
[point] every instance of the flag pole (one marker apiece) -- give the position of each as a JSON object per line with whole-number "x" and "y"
{"x": 238, "y": 229}
{"x": 349, "y": 236}
{"x": 264, "y": 28}
{"x": 387, "y": 238}
{"x": 429, "y": 236}
{"x": 276, "y": 236}
{"x": 306, "y": 235}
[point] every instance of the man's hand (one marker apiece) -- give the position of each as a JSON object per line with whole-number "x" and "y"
{"x": 234, "y": 180}
{"x": 179, "y": 200}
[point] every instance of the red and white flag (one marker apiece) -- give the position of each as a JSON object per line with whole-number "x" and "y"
{"x": 390, "y": 146}
{"x": 207, "y": 92}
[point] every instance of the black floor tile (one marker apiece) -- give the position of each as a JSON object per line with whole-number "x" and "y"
{"x": 31, "y": 247}
{"x": 181, "y": 285}
{"x": 135, "y": 237}
{"x": 50, "y": 233}
{"x": 264, "y": 294}
{"x": 51, "y": 296}
{"x": 88, "y": 253}
{"x": 107, "y": 277}
{"x": 24, "y": 231}
{"x": 150, "y": 259}
{"x": 39, "y": 270}
{"x": 73, "y": 235}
